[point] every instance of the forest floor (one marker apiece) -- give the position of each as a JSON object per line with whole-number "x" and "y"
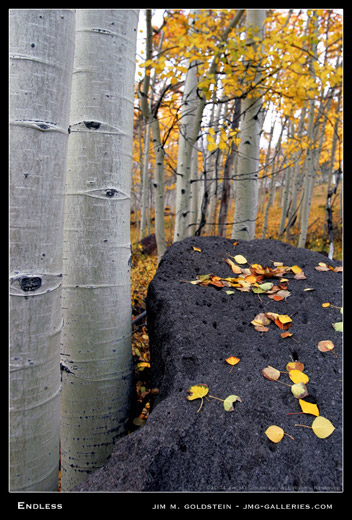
{"x": 144, "y": 267}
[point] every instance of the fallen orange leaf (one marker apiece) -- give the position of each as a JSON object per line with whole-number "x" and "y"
{"x": 285, "y": 334}
{"x": 232, "y": 360}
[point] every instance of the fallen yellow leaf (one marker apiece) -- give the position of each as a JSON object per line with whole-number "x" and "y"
{"x": 197, "y": 391}
{"x": 284, "y": 318}
{"x": 275, "y": 433}
{"x": 310, "y": 408}
{"x": 322, "y": 427}
{"x": 297, "y": 376}
{"x": 296, "y": 269}
{"x": 240, "y": 259}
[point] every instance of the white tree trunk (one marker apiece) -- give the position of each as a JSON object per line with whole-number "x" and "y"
{"x": 186, "y": 141}
{"x": 41, "y": 59}
{"x": 246, "y": 183}
{"x": 96, "y": 353}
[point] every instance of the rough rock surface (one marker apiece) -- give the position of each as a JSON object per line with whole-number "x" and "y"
{"x": 193, "y": 329}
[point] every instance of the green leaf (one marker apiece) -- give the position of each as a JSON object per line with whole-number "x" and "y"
{"x": 338, "y": 326}
{"x": 228, "y": 403}
{"x": 299, "y": 390}
{"x": 266, "y": 286}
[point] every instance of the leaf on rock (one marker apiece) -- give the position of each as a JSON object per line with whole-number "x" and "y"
{"x": 283, "y": 321}
{"x": 299, "y": 390}
{"x": 310, "y": 408}
{"x": 271, "y": 373}
{"x": 197, "y": 391}
{"x": 286, "y": 334}
{"x": 196, "y": 249}
{"x": 295, "y": 365}
{"x": 260, "y": 320}
{"x": 296, "y": 269}
{"x": 266, "y": 286}
{"x": 326, "y": 345}
{"x": 240, "y": 259}
{"x": 300, "y": 276}
{"x": 321, "y": 267}
{"x": 272, "y": 316}
{"x": 338, "y": 326}
{"x": 228, "y": 403}
{"x": 322, "y": 427}
{"x": 261, "y": 328}
{"x": 275, "y": 433}
{"x": 284, "y": 318}
{"x": 232, "y": 360}
{"x": 235, "y": 268}
{"x": 297, "y": 376}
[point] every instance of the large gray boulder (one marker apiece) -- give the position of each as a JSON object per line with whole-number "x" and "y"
{"x": 193, "y": 329}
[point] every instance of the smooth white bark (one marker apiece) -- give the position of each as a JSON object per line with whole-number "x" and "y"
{"x": 246, "y": 183}
{"x": 96, "y": 352}
{"x": 189, "y": 121}
{"x": 41, "y": 58}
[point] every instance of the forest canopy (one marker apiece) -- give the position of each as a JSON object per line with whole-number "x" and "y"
{"x": 199, "y": 74}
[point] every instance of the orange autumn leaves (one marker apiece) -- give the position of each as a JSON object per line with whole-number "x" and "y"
{"x": 252, "y": 278}
{"x": 262, "y": 320}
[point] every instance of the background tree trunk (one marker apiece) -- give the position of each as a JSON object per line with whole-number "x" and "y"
{"x": 96, "y": 353}
{"x": 246, "y": 183}
{"x": 186, "y": 141}
{"x": 311, "y": 152}
{"x": 41, "y": 59}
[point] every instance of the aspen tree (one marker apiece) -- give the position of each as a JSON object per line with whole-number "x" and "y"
{"x": 151, "y": 120}
{"x": 246, "y": 182}
{"x": 96, "y": 357}
{"x": 41, "y": 59}
{"x": 186, "y": 141}
{"x": 309, "y": 162}
{"x": 195, "y": 113}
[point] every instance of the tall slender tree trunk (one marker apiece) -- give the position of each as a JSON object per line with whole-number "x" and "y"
{"x": 151, "y": 119}
{"x": 273, "y": 181}
{"x": 158, "y": 185}
{"x": 96, "y": 357}
{"x": 309, "y": 162}
{"x": 246, "y": 189}
{"x": 228, "y": 173}
{"x": 184, "y": 158}
{"x": 187, "y": 136}
{"x": 212, "y": 161}
{"x": 41, "y": 59}
{"x": 145, "y": 183}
